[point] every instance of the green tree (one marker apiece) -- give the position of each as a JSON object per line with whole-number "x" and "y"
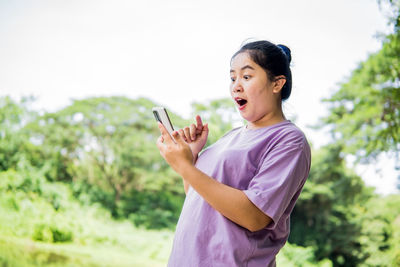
{"x": 106, "y": 143}
{"x": 380, "y": 232}
{"x": 326, "y": 214}
{"x": 349, "y": 225}
{"x": 14, "y": 141}
{"x": 364, "y": 114}
{"x": 10, "y": 123}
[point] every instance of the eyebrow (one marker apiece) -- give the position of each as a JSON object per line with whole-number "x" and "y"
{"x": 243, "y": 68}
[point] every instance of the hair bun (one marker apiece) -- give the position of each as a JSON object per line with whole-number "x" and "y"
{"x": 286, "y": 51}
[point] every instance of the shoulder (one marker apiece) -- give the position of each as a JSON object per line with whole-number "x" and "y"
{"x": 288, "y": 138}
{"x": 291, "y": 139}
{"x": 289, "y": 146}
{"x": 289, "y": 134}
{"x": 282, "y": 133}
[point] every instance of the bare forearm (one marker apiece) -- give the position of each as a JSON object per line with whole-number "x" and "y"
{"x": 186, "y": 184}
{"x": 229, "y": 201}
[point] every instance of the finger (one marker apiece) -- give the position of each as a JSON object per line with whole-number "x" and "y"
{"x": 164, "y": 133}
{"x": 193, "y": 131}
{"x": 205, "y": 131}
{"x": 177, "y": 137}
{"x": 187, "y": 133}
{"x": 199, "y": 122}
{"x": 159, "y": 143}
{"x": 182, "y": 133}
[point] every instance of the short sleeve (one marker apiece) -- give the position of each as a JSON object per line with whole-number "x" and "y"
{"x": 281, "y": 175}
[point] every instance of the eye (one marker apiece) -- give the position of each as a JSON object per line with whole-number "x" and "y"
{"x": 246, "y": 77}
{"x": 233, "y": 79}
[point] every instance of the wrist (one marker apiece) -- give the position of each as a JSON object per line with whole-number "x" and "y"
{"x": 195, "y": 156}
{"x": 185, "y": 169}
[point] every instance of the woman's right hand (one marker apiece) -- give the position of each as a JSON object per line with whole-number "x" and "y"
{"x": 195, "y": 136}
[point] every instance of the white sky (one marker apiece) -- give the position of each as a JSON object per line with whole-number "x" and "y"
{"x": 176, "y": 52}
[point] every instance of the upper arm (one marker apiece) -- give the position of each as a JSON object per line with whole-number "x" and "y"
{"x": 259, "y": 220}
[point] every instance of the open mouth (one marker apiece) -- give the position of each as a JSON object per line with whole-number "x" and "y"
{"x": 240, "y": 101}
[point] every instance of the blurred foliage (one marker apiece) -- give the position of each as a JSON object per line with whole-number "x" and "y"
{"x": 364, "y": 114}
{"x": 42, "y": 224}
{"x": 336, "y": 213}
{"x": 339, "y": 216}
{"x": 381, "y": 231}
{"x": 106, "y": 148}
{"x": 293, "y": 255}
{"x": 13, "y": 139}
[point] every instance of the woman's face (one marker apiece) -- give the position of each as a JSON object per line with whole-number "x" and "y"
{"x": 256, "y": 97}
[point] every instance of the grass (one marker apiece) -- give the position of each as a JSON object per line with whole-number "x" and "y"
{"x": 25, "y": 252}
{"x": 34, "y": 233}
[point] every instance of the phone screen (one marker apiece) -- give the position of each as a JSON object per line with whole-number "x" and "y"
{"x": 161, "y": 115}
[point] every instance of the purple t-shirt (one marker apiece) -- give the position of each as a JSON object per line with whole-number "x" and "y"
{"x": 270, "y": 165}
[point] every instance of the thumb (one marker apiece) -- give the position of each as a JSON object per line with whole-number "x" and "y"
{"x": 177, "y": 137}
{"x": 204, "y": 132}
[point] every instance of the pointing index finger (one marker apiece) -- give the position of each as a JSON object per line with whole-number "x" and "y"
{"x": 199, "y": 122}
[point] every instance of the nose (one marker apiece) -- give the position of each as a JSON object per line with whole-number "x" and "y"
{"x": 236, "y": 87}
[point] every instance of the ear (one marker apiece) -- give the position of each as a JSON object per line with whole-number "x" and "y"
{"x": 279, "y": 82}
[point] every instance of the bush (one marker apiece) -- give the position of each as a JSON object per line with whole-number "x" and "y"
{"x": 10, "y": 180}
{"x": 61, "y": 235}
{"x": 153, "y": 219}
{"x": 153, "y": 210}
{"x": 51, "y": 233}
{"x": 293, "y": 255}
{"x": 11, "y": 202}
{"x": 42, "y": 232}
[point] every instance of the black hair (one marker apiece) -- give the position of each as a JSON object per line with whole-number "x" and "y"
{"x": 274, "y": 59}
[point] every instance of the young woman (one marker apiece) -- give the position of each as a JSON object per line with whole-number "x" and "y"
{"x": 241, "y": 190}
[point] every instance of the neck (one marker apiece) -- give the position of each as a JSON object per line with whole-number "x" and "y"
{"x": 269, "y": 119}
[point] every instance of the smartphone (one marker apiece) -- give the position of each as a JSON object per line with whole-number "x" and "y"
{"x": 161, "y": 115}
